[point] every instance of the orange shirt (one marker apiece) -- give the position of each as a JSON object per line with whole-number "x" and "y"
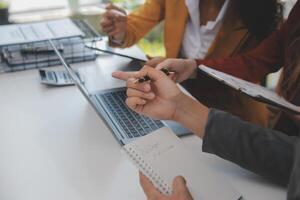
{"x": 231, "y": 39}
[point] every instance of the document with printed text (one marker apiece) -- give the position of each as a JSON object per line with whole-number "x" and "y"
{"x": 33, "y": 32}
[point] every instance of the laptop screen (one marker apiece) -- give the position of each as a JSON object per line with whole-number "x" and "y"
{"x": 71, "y": 72}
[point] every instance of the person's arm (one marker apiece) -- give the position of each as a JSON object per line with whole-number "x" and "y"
{"x": 266, "y": 152}
{"x": 142, "y": 20}
{"x": 294, "y": 184}
{"x": 254, "y": 65}
{"x": 266, "y": 58}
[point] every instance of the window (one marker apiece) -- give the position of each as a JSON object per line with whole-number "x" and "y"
{"x": 28, "y": 5}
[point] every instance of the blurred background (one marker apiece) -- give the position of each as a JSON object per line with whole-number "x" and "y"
{"x": 35, "y": 10}
{"x": 20, "y": 11}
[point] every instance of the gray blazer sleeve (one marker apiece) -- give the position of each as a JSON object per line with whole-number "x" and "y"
{"x": 266, "y": 152}
{"x": 294, "y": 185}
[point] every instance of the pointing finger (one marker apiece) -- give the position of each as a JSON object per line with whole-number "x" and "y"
{"x": 123, "y": 75}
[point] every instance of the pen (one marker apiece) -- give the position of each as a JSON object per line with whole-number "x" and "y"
{"x": 147, "y": 78}
{"x": 40, "y": 50}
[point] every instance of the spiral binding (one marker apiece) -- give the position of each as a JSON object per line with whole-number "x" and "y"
{"x": 149, "y": 172}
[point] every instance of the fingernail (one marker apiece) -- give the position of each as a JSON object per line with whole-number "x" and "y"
{"x": 151, "y": 95}
{"x": 147, "y": 87}
{"x": 181, "y": 179}
{"x": 114, "y": 74}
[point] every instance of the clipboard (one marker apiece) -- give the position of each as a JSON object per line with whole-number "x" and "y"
{"x": 252, "y": 90}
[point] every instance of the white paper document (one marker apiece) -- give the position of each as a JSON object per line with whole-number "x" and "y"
{"x": 256, "y": 91}
{"x": 32, "y": 32}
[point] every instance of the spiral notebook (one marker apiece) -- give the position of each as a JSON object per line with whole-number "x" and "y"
{"x": 161, "y": 156}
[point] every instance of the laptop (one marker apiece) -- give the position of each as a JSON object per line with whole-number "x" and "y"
{"x": 109, "y": 104}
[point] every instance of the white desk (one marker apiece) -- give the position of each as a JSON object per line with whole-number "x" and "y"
{"x": 54, "y": 146}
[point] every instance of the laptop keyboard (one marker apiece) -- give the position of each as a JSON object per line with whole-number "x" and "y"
{"x": 132, "y": 123}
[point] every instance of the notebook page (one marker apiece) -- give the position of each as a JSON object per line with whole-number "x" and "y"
{"x": 163, "y": 156}
{"x": 249, "y": 88}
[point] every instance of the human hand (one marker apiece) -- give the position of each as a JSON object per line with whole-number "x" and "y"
{"x": 154, "y": 61}
{"x": 183, "y": 68}
{"x": 157, "y": 98}
{"x": 114, "y": 22}
{"x": 180, "y": 191}
{"x": 160, "y": 98}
